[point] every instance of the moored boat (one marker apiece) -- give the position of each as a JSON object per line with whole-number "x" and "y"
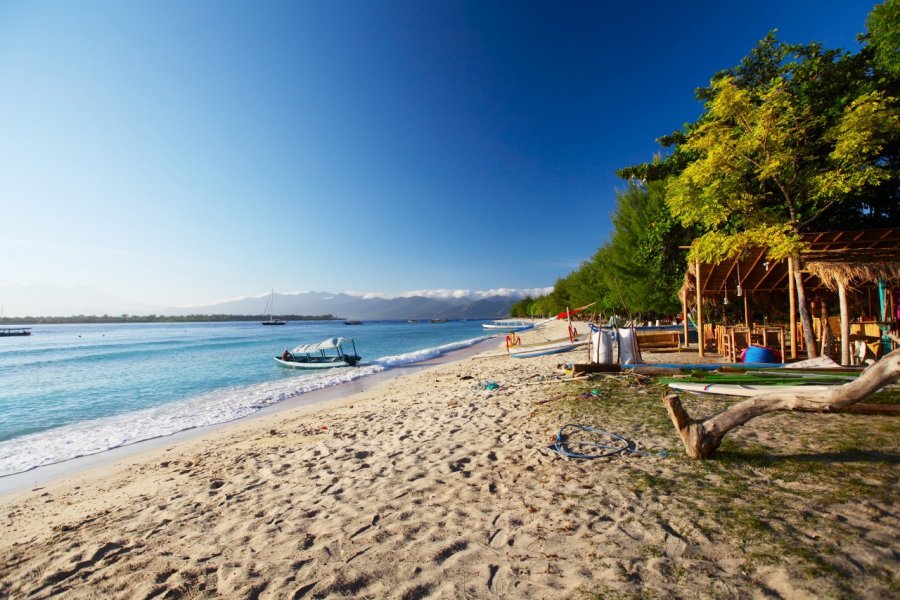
{"x": 14, "y": 331}
{"x": 270, "y": 307}
{"x": 509, "y": 325}
{"x": 323, "y": 355}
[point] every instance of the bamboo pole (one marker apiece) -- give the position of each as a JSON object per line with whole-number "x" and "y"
{"x": 845, "y": 324}
{"x": 700, "y": 340}
{"x": 792, "y": 296}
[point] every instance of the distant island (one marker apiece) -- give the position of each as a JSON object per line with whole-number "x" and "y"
{"x": 160, "y": 319}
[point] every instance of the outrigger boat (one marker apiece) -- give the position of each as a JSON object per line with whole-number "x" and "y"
{"x": 509, "y": 325}
{"x": 544, "y": 349}
{"x": 14, "y": 331}
{"x": 324, "y": 355}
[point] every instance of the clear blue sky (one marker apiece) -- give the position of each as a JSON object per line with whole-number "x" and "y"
{"x": 183, "y": 152}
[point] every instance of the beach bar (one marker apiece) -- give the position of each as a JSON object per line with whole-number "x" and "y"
{"x": 751, "y": 300}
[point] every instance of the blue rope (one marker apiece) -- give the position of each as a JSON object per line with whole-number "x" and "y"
{"x": 563, "y": 446}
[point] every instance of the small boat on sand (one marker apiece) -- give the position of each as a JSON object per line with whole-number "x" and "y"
{"x": 324, "y": 355}
{"x": 543, "y": 350}
{"x": 748, "y": 391}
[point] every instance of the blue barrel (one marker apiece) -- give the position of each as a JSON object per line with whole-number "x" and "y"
{"x": 758, "y": 354}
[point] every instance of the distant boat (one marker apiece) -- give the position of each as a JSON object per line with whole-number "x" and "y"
{"x": 353, "y": 322}
{"x": 439, "y": 320}
{"x": 412, "y": 320}
{"x": 13, "y": 331}
{"x": 270, "y": 308}
{"x": 509, "y": 325}
{"x": 324, "y": 355}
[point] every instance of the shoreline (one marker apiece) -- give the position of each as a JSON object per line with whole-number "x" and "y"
{"x": 49, "y": 474}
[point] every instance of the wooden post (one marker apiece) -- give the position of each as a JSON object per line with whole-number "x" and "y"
{"x": 700, "y": 340}
{"x": 746, "y": 311}
{"x": 684, "y": 313}
{"x": 845, "y": 324}
{"x": 792, "y": 295}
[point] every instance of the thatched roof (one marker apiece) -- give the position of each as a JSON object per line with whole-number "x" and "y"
{"x": 855, "y": 258}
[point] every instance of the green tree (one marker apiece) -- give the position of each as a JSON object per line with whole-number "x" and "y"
{"x": 768, "y": 161}
{"x": 883, "y": 37}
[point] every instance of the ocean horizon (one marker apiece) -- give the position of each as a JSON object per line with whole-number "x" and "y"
{"x": 70, "y": 390}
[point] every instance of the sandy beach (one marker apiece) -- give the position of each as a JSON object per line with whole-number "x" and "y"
{"x": 440, "y": 485}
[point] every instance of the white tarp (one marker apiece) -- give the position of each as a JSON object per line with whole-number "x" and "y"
{"x": 629, "y": 351}
{"x": 601, "y": 346}
{"x": 329, "y": 344}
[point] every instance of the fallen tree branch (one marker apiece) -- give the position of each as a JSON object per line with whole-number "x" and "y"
{"x": 702, "y": 437}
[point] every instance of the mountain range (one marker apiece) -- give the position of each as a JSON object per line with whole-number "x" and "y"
{"x": 45, "y": 299}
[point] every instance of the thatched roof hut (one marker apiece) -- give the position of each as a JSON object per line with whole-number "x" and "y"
{"x": 834, "y": 261}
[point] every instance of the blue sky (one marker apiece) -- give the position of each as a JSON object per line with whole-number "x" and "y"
{"x": 184, "y": 152}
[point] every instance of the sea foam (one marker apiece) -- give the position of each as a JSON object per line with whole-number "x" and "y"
{"x": 220, "y": 406}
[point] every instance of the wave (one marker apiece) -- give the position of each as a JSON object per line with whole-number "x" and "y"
{"x": 94, "y": 436}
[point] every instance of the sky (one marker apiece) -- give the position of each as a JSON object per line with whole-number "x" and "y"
{"x": 184, "y": 152}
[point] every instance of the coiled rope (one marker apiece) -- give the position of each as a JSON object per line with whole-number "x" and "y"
{"x": 564, "y": 445}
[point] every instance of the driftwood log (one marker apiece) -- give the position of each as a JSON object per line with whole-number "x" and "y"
{"x": 702, "y": 437}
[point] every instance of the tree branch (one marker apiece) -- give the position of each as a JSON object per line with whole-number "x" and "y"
{"x": 702, "y": 437}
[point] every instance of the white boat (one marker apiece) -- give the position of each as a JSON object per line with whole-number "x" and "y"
{"x": 542, "y": 350}
{"x": 324, "y": 355}
{"x": 270, "y": 307}
{"x": 509, "y": 325}
{"x": 734, "y": 389}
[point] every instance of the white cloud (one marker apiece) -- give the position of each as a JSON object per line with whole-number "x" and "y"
{"x": 459, "y": 293}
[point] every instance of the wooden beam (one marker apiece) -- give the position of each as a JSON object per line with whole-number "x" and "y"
{"x": 845, "y": 325}
{"x": 700, "y": 341}
{"x": 684, "y": 314}
{"x": 792, "y": 297}
{"x": 746, "y": 311}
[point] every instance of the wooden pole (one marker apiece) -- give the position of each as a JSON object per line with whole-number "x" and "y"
{"x": 684, "y": 313}
{"x": 792, "y": 295}
{"x": 700, "y": 340}
{"x": 746, "y": 311}
{"x": 845, "y": 324}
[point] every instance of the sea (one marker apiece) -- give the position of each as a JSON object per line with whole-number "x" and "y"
{"x": 75, "y": 390}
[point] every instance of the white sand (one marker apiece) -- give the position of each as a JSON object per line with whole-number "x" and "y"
{"x": 423, "y": 486}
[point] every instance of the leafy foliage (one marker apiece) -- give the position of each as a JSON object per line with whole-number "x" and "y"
{"x": 794, "y": 138}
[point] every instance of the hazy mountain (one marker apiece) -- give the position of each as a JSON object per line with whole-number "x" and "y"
{"x": 49, "y": 300}
{"x": 354, "y": 307}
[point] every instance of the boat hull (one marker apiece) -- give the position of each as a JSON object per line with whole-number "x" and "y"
{"x": 327, "y": 364}
{"x": 747, "y": 391}
{"x": 545, "y": 350}
{"x": 496, "y": 327}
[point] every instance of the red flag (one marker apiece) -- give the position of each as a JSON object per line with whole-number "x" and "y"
{"x": 567, "y": 313}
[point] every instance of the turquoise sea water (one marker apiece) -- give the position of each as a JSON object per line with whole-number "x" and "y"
{"x": 74, "y": 390}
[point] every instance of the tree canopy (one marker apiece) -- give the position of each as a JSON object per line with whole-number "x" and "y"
{"x": 794, "y": 138}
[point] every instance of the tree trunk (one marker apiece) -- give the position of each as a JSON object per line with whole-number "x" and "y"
{"x": 805, "y": 321}
{"x": 845, "y": 324}
{"x": 702, "y": 437}
{"x": 827, "y": 332}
